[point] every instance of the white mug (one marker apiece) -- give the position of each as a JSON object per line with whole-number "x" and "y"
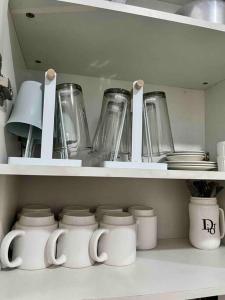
{"x": 146, "y": 226}
{"x": 115, "y": 242}
{"x": 106, "y": 208}
{"x": 205, "y": 219}
{"x": 72, "y": 240}
{"x": 30, "y": 239}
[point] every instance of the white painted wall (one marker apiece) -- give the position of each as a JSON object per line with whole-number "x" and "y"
{"x": 169, "y": 198}
{"x": 215, "y": 117}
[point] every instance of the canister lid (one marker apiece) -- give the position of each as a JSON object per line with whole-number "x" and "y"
{"x": 75, "y": 208}
{"x": 141, "y": 211}
{"x": 117, "y": 91}
{"x": 36, "y": 219}
{"x": 153, "y": 94}
{"x": 82, "y": 218}
{"x": 108, "y": 208}
{"x": 68, "y": 86}
{"x": 118, "y": 218}
{"x": 36, "y": 207}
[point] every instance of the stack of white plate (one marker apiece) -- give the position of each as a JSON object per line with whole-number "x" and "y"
{"x": 189, "y": 161}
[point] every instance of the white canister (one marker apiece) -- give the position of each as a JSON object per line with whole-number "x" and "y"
{"x": 29, "y": 241}
{"x": 115, "y": 242}
{"x": 146, "y": 226}
{"x": 72, "y": 240}
{"x": 206, "y": 223}
{"x": 105, "y": 209}
{"x": 221, "y": 149}
{"x": 221, "y": 163}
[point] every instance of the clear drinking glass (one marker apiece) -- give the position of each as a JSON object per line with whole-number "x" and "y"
{"x": 125, "y": 144}
{"x": 157, "y": 134}
{"x": 112, "y": 137}
{"x": 71, "y": 127}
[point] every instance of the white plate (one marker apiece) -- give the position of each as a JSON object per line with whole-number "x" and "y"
{"x": 183, "y": 157}
{"x": 201, "y": 163}
{"x": 192, "y": 168}
{"x": 186, "y": 153}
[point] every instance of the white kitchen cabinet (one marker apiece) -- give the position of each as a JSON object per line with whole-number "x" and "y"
{"x": 100, "y": 44}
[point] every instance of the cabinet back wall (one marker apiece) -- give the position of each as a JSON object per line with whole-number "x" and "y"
{"x": 168, "y": 197}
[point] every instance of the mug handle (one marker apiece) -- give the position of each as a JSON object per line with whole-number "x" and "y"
{"x": 222, "y": 223}
{"x": 4, "y": 249}
{"x": 93, "y": 246}
{"x": 51, "y": 247}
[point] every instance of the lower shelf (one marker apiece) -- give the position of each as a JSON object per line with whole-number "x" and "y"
{"x": 6, "y": 169}
{"x": 174, "y": 270}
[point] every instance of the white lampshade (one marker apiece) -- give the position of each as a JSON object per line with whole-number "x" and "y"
{"x": 27, "y": 110}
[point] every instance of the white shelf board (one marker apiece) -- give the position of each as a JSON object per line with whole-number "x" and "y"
{"x": 112, "y": 40}
{"x": 174, "y": 270}
{"x": 6, "y": 169}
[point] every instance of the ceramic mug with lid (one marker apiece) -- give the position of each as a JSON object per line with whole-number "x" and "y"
{"x": 29, "y": 241}
{"x": 71, "y": 240}
{"x": 115, "y": 242}
{"x": 206, "y": 223}
{"x": 146, "y": 226}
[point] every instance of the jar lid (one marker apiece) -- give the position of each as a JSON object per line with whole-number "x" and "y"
{"x": 82, "y": 218}
{"x": 118, "y": 218}
{"x": 68, "y": 86}
{"x": 117, "y": 91}
{"x": 141, "y": 211}
{"x": 75, "y": 208}
{"x": 36, "y": 207}
{"x": 36, "y": 219}
{"x": 153, "y": 94}
{"x": 101, "y": 209}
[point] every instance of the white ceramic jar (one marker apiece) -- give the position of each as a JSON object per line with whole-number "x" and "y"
{"x": 206, "y": 223}
{"x": 29, "y": 241}
{"x": 146, "y": 226}
{"x": 221, "y": 149}
{"x": 115, "y": 242}
{"x": 71, "y": 240}
{"x": 221, "y": 156}
{"x": 221, "y": 163}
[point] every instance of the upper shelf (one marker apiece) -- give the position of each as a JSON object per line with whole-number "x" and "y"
{"x": 117, "y": 41}
{"x": 6, "y": 169}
